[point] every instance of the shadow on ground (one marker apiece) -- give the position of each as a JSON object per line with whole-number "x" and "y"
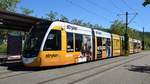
{"x": 136, "y": 68}
{"x": 18, "y": 66}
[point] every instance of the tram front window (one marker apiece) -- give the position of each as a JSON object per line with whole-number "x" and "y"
{"x": 34, "y": 40}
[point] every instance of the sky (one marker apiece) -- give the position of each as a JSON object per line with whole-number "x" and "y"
{"x": 102, "y": 12}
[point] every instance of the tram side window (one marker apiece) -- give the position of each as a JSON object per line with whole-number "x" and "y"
{"x": 139, "y": 45}
{"x": 108, "y": 43}
{"x": 53, "y": 41}
{"x": 70, "y": 42}
{"x": 78, "y": 42}
{"x": 99, "y": 43}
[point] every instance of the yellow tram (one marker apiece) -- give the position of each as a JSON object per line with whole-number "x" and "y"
{"x": 116, "y": 44}
{"x": 59, "y": 43}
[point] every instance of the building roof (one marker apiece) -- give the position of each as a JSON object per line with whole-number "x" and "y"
{"x": 16, "y": 21}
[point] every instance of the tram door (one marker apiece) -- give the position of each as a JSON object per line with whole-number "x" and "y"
{"x": 99, "y": 47}
{"x": 104, "y": 47}
{"x": 108, "y": 47}
{"x": 88, "y": 47}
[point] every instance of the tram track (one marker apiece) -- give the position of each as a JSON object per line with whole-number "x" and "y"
{"x": 92, "y": 68}
{"x": 14, "y": 75}
{"x": 17, "y": 73}
{"x": 67, "y": 75}
{"x": 94, "y": 74}
{"x": 11, "y": 73}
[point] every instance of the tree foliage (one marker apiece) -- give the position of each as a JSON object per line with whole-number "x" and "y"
{"x": 26, "y": 11}
{"x": 51, "y": 16}
{"x": 86, "y": 24}
{"x": 117, "y": 27}
{"x": 147, "y": 40}
{"x": 76, "y": 21}
{"x": 97, "y": 26}
{"x": 146, "y": 2}
{"x": 63, "y": 18}
{"x": 54, "y": 16}
{"x": 9, "y": 5}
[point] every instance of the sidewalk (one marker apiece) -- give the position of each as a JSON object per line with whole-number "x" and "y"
{"x": 14, "y": 57}
{"x": 9, "y": 57}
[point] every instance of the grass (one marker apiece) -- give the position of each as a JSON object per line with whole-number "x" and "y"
{"x": 147, "y": 48}
{"x": 3, "y": 48}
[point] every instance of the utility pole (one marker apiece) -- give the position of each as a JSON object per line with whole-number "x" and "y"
{"x": 143, "y": 40}
{"x": 126, "y": 36}
{"x": 126, "y": 23}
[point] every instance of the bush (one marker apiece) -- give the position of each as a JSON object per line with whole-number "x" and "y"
{"x": 3, "y": 48}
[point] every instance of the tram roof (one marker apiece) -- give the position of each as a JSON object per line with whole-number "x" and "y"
{"x": 16, "y": 21}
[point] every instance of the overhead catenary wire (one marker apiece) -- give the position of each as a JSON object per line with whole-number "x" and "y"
{"x": 123, "y": 1}
{"x": 85, "y": 9}
{"x": 119, "y": 17}
{"x": 135, "y": 14}
{"x": 130, "y": 7}
{"x": 115, "y": 6}
{"x": 99, "y": 6}
{"x": 132, "y": 18}
{"x": 103, "y": 8}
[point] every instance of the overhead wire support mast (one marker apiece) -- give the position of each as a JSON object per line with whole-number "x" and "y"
{"x": 126, "y": 31}
{"x": 143, "y": 44}
{"x": 126, "y": 36}
{"x": 135, "y": 14}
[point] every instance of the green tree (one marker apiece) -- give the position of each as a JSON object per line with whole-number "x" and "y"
{"x": 63, "y": 18}
{"x": 26, "y": 11}
{"x": 97, "y": 26}
{"x": 76, "y": 21}
{"x": 51, "y": 16}
{"x": 146, "y": 40}
{"x": 89, "y": 25}
{"x": 146, "y": 2}
{"x": 9, "y": 5}
{"x": 3, "y": 34}
{"x": 117, "y": 27}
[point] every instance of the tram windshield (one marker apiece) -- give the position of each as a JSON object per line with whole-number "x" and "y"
{"x": 35, "y": 37}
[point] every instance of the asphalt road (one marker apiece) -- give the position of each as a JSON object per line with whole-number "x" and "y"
{"x": 133, "y": 69}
